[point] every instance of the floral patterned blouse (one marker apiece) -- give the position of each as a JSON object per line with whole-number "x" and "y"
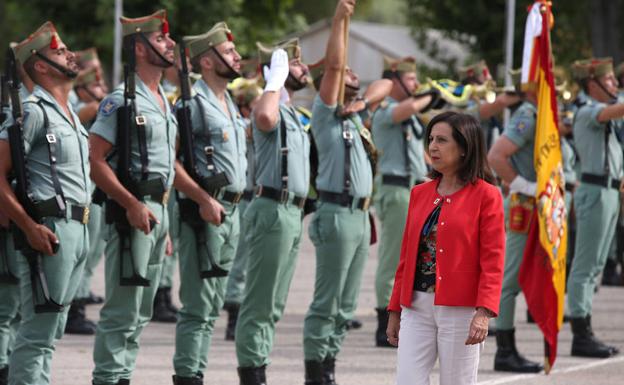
{"x": 425, "y": 278}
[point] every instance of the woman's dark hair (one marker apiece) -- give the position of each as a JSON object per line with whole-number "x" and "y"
{"x": 468, "y": 135}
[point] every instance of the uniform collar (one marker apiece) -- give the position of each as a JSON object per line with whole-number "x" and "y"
{"x": 40, "y": 93}
{"x": 205, "y": 92}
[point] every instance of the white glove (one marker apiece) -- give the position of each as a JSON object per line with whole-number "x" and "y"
{"x": 523, "y": 186}
{"x": 276, "y": 75}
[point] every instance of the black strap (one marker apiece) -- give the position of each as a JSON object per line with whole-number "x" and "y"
{"x": 142, "y": 137}
{"x": 284, "y": 151}
{"x": 209, "y": 149}
{"x": 52, "y": 156}
{"x": 347, "y": 138}
{"x": 64, "y": 70}
{"x": 607, "y": 167}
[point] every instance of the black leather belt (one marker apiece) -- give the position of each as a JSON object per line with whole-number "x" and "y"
{"x": 344, "y": 200}
{"x": 395, "y": 180}
{"x": 231, "y": 197}
{"x": 80, "y": 214}
{"x": 600, "y": 180}
{"x": 50, "y": 208}
{"x": 570, "y": 187}
{"x": 248, "y": 195}
{"x": 279, "y": 196}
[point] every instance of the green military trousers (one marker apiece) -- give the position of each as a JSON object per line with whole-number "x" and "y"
{"x": 341, "y": 236}
{"x": 9, "y": 298}
{"x": 236, "y": 279}
{"x": 127, "y": 309}
{"x": 273, "y": 236}
{"x": 596, "y": 211}
{"x": 38, "y": 333}
{"x": 202, "y": 298}
{"x": 170, "y": 261}
{"x": 96, "y": 249}
{"x": 391, "y": 205}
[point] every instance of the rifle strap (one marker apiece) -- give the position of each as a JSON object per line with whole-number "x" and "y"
{"x": 347, "y": 139}
{"x": 139, "y": 122}
{"x": 284, "y": 151}
{"x": 209, "y": 149}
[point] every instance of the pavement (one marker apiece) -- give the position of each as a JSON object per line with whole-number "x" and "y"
{"x": 360, "y": 362}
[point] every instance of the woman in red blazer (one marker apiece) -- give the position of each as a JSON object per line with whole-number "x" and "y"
{"x": 449, "y": 277}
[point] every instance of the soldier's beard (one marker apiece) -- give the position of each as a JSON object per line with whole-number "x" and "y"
{"x": 155, "y": 60}
{"x": 227, "y": 73}
{"x": 295, "y": 84}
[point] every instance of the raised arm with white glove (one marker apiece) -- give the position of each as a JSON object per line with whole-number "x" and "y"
{"x": 276, "y": 75}
{"x": 523, "y": 186}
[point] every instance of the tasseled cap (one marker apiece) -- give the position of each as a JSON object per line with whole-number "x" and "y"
{"x": 45, "y": 36}
{"x": 406, "y": 64}
{"x": 87, "y": 77}
{"x": 198, "y": 44}
{"x": 292, "y": 48}
{"x": 155, "y": 22}
{"x": 592, "y": 68}
{"x": 86, "y": 55}
{"x": 474, "y": 70}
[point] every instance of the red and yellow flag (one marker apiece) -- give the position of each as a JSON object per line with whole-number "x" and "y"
{"x": 542, "y": 273}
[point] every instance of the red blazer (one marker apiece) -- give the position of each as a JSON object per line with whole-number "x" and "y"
{"x": 470, "y": 246}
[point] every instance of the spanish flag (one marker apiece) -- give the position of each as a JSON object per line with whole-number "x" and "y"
{"x": 542, "y": 273}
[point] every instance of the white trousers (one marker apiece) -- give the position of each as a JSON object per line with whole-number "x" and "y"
{"x": 428, "y": 332}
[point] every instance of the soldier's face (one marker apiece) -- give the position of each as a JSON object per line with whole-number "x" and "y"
{"x": 410, "y": 81}
{"x": 62, "y": 56}
{"x": 164, "y": 45}
{"x": 300, "y": 72}
{"x": 352, "y": 83}
{"x": 443, "y": 149}
{"x": 228, "y": 52}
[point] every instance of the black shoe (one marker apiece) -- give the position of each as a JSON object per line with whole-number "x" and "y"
{"x": 161, "y": 310}
{"x": 329, "y": 371}
{"x": 124, "y": 381}
{"x": 172, "y": 308}
{"x": 381, "y": 339}
{"x": 610, "y": 277}
{"x": 491, "y": 331}
{"x": 354, "y": 324}
{"x": 232, "y": 310}
{"x": 314, "y": 373}
{"x": 4, "y": 375}
{"x": 93, "y": 299}
{"x": 77, "y": 322}
{"x": 507, "y": 358}
{"x": 252, "y": 376}
{"x": 585, "y": 344}
{"x": 197, "y": 380}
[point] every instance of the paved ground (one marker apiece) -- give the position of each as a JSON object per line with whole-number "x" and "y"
{"x": 360, "y": 362}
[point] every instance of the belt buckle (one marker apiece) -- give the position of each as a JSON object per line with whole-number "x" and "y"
{"x": 165, "y": 198}
{"x": 284, "y": 196}
{"x": 302, "y": 202}
{"x": 366, "y": 204}
{"x": 258, "y": 191}
{"x": 237, "y": 198}
{"x": 85, "y": 215}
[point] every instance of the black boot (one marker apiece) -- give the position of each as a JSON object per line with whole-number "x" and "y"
{"x": 172, "y": 308}
{"x": 381, "y": 339}
{"x": 252, "y": 376}
{"x": 314, "y": 373}
{"x": 610, "y": 277}
{"x": 329, "y": 371}
{"x": 4, "y": 375}
{"x": 93, "y": 299}
{"x": 232, "y": 310}
{"x": 354, "y": 324}
{"x": 77, "y": 322}
{"x": 197, "y": 380}
{"x": 161, "y": 310}
{"x": 507, "y": 358}
{"x": 124, "y": 381}
{"x": 585, "y": 344}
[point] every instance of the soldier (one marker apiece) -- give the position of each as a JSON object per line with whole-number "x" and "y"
{"x": 511, "y": 157}
{"x": 597, "y": 199}
{"x": 340, "y": 229}
{"x": 207, "y": 251}
{"x": 136, "y": 211}
{"x": 51, "y": 208}
{"x": 398, "y": 135}
{"x": 282, "y": 150}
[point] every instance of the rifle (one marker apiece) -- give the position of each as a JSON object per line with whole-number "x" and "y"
{"x": 33, "y": 209}
{"x": 189, "y": 210}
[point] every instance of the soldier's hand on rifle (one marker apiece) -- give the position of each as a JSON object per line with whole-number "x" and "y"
{"x": 211, "y": 211}
{"x": 344, "y": 9}
{"x": 139, "y": 216}
{"x": 42, "y": 239}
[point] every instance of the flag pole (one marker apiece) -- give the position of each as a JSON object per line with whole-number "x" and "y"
{"x": 117, "y": 48}
{"x": 345, "y": 33}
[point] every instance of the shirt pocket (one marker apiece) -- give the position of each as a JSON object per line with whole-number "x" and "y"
{"x": 67, "y": 146}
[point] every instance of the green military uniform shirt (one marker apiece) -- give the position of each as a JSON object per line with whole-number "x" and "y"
{"x": 390, "y": 140}
{"x": 521, "y": 131}
{"x": 227, "y": 136}
{"x": 160, "y": 131}
{"x": 327, "y": 131}
{"x": 569, "y": 160}
{"x": 269, "y": 158}
{"x": 71, "y": 145}
{"x": 589, "y": 136}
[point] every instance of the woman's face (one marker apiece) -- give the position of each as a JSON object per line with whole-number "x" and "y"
{"x": 444, "y": 151}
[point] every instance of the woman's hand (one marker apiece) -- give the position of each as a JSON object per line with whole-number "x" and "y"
{"x": 478, "y": 327}
{"x": 394, "y": 324}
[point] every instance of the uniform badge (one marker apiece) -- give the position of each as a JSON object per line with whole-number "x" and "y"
{"x": 383, "y": 104}
{"x": 521, "y": 126}
{"x": 225, "y": 136}
{"x": 108, "y": 107}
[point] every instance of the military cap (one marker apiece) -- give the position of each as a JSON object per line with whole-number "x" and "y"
{"x": 87, "y": 77}
{"x": 292, "y": 48}
{"x": 198, "y": 44}
{"x": 590, "y": 68}
{"x": 86, "y": 55}
{"x": 619, "y": 70}
{"x": 316, "y": 71}
{"x": 406, "y": 64}
{"x": 155, "y": 22}
{"x": 474, "y": 70}
{"x": 45, "y": 36}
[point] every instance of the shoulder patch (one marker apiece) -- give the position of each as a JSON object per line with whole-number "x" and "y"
{"x": 384, "y": 104}
{"x": 108, "y": 106}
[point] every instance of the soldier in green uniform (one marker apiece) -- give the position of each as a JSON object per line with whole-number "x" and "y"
{"x": 511, "y": 157}
{"x": 274, "y": 217}
{"x": 398, "y": 136}
{"x": 340, "y": 228}
{"x": 134, "y": 257}
{"x": 219, "y": 147}
{"x": 56, "y": 160}
{"x": 597, "y": 199}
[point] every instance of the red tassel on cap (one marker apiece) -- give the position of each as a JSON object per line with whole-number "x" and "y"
{"x": 229, "y": 35}
{"x": 54, "y": 42}
{"x": 165, "y": 26}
